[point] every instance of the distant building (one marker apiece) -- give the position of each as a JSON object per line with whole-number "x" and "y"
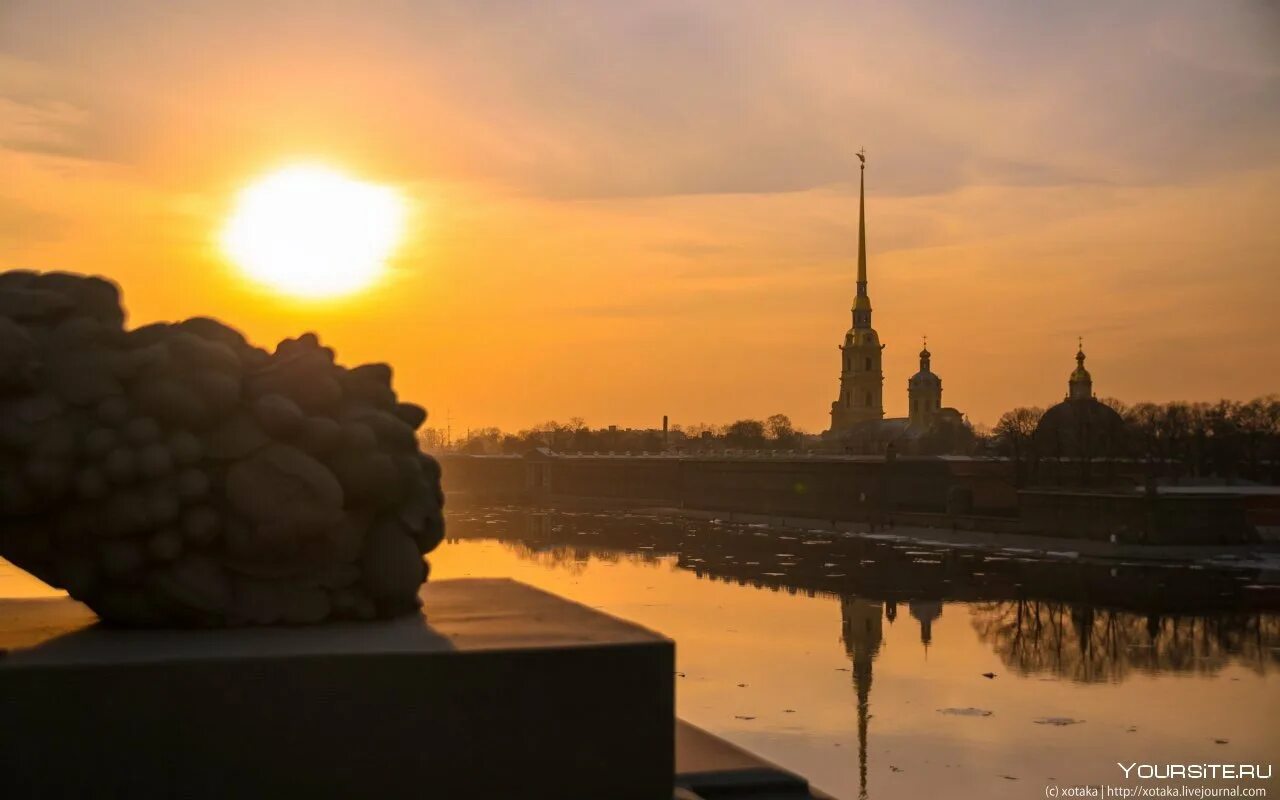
{"x": 858, "y": 423}
{"x": 861, "y": 398}
{"x": 924, "y": 391}
{"x": 1078, "y": 431}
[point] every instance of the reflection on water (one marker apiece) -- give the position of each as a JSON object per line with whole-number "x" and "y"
{"x": 1086, "y": 621}
{"x": 1064, "y": 642}
{"x": 862, "y": 635}
{"x": 1084, "y": 643}
{"x": 834, "y": 655}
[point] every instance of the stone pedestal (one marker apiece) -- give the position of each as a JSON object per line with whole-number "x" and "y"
{"x": 497, "y": 690}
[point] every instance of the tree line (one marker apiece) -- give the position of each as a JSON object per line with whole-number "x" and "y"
{"x": 1227, "y": 439}
{"x": 773, "y": 433}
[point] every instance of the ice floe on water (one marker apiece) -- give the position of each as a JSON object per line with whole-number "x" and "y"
{"x": 966, "y": 712}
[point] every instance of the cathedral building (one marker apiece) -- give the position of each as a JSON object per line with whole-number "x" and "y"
{"x": 1078, "y": 431}
{"x": 858, "y": 423}
{"x": 924, "y": 392}
{"x": 861, "y": 397}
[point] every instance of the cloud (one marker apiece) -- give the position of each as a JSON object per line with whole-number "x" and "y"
{"x": 44, "y": 112}
{"x": 44, "y": 126}
{"x": 574, "y": 100}
{"x": 666, "y": 191}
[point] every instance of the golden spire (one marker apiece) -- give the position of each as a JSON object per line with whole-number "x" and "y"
{"x": 862, "y": 218}
{"x": 862, "y": 304}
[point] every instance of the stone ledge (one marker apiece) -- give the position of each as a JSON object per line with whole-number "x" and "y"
{"x": 497, "y": 690}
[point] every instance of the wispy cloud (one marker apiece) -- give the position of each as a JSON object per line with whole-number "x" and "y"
{"x": 665, "y": 192}
{"x": 587, "y": 100}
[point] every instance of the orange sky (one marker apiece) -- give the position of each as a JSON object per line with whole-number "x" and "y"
{"x": 621, "y": 213}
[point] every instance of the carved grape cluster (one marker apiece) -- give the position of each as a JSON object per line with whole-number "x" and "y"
{"x": 176, "y": 474}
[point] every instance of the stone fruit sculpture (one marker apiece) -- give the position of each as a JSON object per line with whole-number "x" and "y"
{"x": 174, "y": 474}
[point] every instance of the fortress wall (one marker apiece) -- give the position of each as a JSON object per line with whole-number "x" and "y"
{"x": 945, "y": 492}
{"x": 830, "y": 488}
{"x": 1138, "y": 518}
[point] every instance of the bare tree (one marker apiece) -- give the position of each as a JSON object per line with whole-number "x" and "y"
{"x": 1014, "y": 435}
{"x": 745, "y": 433}
{"x": 782, "y": 433}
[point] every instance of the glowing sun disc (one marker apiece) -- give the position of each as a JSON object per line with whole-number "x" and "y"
{"x": 312, "y": 232}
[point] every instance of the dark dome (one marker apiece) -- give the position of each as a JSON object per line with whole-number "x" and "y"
{"x": 923, "y": 377}
{"x": 1079, "y": 427}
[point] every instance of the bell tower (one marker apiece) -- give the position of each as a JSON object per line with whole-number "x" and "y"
{"x": 924, "y": 390}
{"x": 861, "y": 395}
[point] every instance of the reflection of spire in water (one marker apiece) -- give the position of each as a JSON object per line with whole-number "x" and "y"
{"x": 891, "y": 610}
{"x": 863, "y": 633}
{"x": 925, "y": 611}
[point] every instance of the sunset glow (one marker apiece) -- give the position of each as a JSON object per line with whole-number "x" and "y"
{"x": 309, "y": 231}
{"x": 695, "y": 196}
{"x": 684, "y": 398}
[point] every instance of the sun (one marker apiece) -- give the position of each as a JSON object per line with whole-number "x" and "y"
{"x": 311, "y": 232}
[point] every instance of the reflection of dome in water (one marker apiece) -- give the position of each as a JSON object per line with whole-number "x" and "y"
{"x": 925, "y": 612}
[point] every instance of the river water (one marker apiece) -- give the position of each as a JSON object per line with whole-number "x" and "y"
{"x": 883, "y": 668}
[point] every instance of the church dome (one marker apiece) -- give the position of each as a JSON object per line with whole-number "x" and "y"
{"x": 1080, "y": 374}
{"x": 1079, "y": 415}
{"x": 1080, "y": 425}
{"x": 1080, "y": 384}
{"x": 925, "y": 377}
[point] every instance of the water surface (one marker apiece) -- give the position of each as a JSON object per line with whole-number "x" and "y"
{"x": 861, "y": 663}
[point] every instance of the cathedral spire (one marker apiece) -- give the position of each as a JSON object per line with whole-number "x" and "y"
{"x": 862, "y": 304}
{"x": 861, "y": 397}
{"x": 862, "y": 222}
